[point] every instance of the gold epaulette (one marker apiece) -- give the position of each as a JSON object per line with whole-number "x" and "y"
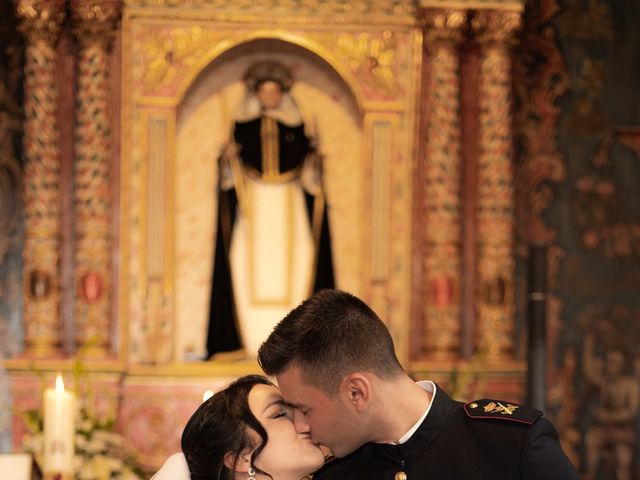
{"x": 501, "y": 410}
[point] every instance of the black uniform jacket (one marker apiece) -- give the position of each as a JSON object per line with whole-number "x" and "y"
{"x": 481, "y": 440}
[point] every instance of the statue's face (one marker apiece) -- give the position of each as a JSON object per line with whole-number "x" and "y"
{"x": 269, "y": 94}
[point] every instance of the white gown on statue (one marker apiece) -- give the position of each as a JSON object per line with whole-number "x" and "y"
{"x": 272, "y": 251}
{"x": 271, "y": 258}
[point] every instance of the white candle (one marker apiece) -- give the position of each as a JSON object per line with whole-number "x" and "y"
{"x": 59, "y": 428}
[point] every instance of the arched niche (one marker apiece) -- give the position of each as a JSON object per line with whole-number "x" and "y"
{"x": 203, "y": 126}
{"x": 180, "y": 83}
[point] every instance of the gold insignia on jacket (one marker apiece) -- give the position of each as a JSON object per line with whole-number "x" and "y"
{"x": 497, "y": 407}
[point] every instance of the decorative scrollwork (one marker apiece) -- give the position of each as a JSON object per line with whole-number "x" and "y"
{"x": 94, "y": 20}
{"x": 496, "y": 27}
{"x": 372, "y": 58}
{"x": 169, "y": 53}
{"x": 442, "y": 180}
{"x": 495, "y": 202}
{"x": 443, "y": 26}
{"x": 358, "y": 7}
{"x": 41, "y": 20}
{"x": 94, "y": 23}
{"x": 541, "y": 78}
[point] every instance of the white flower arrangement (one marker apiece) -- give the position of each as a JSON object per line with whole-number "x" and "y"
{"x": 100, "y": 452}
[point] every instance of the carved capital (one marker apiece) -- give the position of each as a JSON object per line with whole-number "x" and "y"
{"x": 40, "y": 20}
{"x": 94, "y": 21}
{"x": 443, "y": 27}
{"x": 318, "y": 7}
{"x": 495, "y": 28}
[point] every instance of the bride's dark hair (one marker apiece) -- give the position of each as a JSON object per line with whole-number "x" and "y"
{"x": 219, "y": 426}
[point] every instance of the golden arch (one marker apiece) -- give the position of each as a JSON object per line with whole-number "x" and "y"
{"x": 294, "y": 39}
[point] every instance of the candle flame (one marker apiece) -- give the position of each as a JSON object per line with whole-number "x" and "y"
{"x": 59, "y": 384}
{"x": 207, "y": 395}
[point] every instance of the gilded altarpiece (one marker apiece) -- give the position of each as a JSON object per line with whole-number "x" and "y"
{"x": 357, "y": 86}
{"x": 382, "y": 85}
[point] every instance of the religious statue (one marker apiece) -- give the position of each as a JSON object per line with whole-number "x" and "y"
{"x": 614, "y": 430}
{"x": 273, "y": 245}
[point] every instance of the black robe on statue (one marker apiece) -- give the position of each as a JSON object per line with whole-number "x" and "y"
{"x": 293, "y": 148}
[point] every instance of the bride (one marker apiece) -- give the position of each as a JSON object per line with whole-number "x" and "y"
{"x": 243, "y": 432}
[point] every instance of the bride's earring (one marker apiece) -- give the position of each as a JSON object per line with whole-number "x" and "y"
{"x": 252, "y": 473}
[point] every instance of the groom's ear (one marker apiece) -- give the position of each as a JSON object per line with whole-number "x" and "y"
{"x": 238, "y": 462}
{"x": 356, "y": 389}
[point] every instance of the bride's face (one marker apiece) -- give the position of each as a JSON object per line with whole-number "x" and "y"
{"x": 287, "y": 454}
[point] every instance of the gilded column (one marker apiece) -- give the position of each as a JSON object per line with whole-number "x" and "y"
{"x": 94, "y": 24}
{"x": 495, "y": 215}
{"x": 40, "y": 22}
{"x": 442, "y": 196}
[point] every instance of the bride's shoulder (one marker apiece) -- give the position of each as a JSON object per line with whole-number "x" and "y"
{"x": 174, "y": 468}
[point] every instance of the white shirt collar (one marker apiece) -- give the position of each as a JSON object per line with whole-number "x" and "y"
{"x": 430, "y": 387}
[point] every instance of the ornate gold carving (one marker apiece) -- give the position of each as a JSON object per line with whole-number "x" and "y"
{"x": 496, "y": 27}
{"x": 509, "y": 5}
{"x": 495, "y": 200}
{"x": 289, "y": 7}
{"x": 163, "y": 55}
{"x": 40, "y": 24}
{"x": 94, "y": 21}
{"x": 442, "y": 196}
{"x": 372, "y": 58}
{"x": 169, "y": 54}
{"x": 443, "y": 26}
{"x": 41, "y": 296}
{"x": 40, "y": 19}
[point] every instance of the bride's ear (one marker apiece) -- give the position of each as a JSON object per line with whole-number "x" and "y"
{"x": 238, "y": 462}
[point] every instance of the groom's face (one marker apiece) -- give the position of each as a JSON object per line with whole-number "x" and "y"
{"x": 328, "y": 420}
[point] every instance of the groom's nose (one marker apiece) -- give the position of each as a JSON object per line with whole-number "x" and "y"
{"x": 299, "y": 422}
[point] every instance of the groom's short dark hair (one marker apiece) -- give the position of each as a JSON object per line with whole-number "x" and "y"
{"x": 330, "y": 335}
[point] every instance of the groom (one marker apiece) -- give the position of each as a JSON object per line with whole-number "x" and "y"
{"x": 335, "y": 363}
